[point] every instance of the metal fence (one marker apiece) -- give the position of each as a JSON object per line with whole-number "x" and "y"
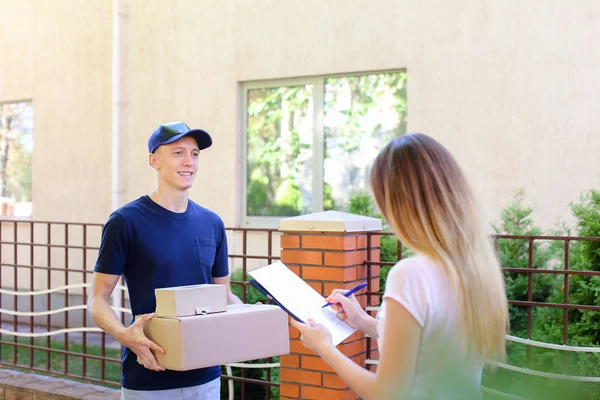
{"x": 45, "y": 275}
{"x": 47, "y": 266}
{"x": 239, "y": 281}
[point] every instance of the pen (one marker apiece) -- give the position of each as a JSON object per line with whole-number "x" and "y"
{"x": 349, "y": 292}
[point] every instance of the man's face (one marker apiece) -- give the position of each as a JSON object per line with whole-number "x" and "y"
{"x": 177, "y": 163}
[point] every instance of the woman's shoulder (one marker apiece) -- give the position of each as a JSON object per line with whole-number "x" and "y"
{"x": 418, "y": 263}
{"x": 420, "y": 269}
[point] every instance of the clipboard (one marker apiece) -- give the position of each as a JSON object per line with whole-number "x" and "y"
{"x": 298, "y": 299}
{"x": 264, "y": 291}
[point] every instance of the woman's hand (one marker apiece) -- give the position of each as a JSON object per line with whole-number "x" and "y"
{"x": 314, "y": 336}
{"x": 347, "y": 308}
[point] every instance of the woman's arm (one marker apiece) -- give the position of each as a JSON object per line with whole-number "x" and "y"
{"x": 395, "y": 372}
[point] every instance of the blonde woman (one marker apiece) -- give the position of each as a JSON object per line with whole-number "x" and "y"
{"x": 445, "y": 310}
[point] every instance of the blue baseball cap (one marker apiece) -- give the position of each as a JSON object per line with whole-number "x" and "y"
{"x": 173, "y": 131}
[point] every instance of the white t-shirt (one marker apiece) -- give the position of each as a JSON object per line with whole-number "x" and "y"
{"x": 443, "y": 371}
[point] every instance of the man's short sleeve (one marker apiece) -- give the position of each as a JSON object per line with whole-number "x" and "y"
{"x": 112, "y": 255}
{"x": 407, "y": 284}
{"x": 221, "y": 266}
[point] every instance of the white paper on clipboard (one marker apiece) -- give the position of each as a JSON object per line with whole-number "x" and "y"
{"x": 300, "y": 299}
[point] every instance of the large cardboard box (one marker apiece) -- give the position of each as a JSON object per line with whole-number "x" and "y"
{"x": 181, "y": 301}
{"x": 244, "y": 332}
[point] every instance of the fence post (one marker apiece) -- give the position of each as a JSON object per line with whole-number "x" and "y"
{"x": 328, "y": 250}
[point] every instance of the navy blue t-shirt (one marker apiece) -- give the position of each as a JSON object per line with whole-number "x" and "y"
{"x": 153, "y": 247}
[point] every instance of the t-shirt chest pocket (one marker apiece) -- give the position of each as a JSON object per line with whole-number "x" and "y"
{"x": 206, "y": 249}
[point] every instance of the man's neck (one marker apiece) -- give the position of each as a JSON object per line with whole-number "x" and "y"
{"x": 176, "y": 201}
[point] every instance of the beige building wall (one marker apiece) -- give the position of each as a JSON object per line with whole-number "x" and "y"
{"x": 509, "y": 86}
{"x": 59, "y": 56}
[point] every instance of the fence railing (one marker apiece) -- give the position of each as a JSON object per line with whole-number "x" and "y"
{"x": 45, "y": 275}
{"x": 264, "y": 241}
{"x": 47, "y": 266}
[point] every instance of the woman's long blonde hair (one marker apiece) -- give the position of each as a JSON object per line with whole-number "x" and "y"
{"x": 424, "y": 196}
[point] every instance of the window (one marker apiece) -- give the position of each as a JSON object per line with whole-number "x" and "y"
{"x": 16, "y": 149}
{"x": 309, "y": 142}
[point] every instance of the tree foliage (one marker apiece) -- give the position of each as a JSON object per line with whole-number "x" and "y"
{"x": 516, "y": 220}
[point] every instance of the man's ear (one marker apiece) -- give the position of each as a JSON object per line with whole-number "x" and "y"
{"x": 152, "y": 161}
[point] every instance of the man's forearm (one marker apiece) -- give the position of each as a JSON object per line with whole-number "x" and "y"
{"x": 233, "y": 299}
{"x": 104, "y": 316}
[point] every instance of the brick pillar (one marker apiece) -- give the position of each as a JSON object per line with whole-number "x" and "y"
{"x": 328, "y": 250}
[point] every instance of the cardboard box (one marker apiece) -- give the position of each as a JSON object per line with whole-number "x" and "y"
{"x": 244, "y": 332}
{"x": 190, "y": 300}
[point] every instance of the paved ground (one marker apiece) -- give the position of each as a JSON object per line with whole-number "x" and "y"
{"x": 21, "y": 385}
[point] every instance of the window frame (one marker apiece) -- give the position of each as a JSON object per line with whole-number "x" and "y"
{"x": 318, "y": 142}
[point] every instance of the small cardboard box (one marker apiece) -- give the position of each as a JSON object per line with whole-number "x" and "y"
{"x": 244, "y": 332}
{"x": 182, "y": 301}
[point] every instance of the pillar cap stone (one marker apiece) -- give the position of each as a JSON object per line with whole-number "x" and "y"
{"x": 330, "y": 221}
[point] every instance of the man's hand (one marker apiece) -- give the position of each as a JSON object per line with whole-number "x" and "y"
{"x": 133, "y": 338}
